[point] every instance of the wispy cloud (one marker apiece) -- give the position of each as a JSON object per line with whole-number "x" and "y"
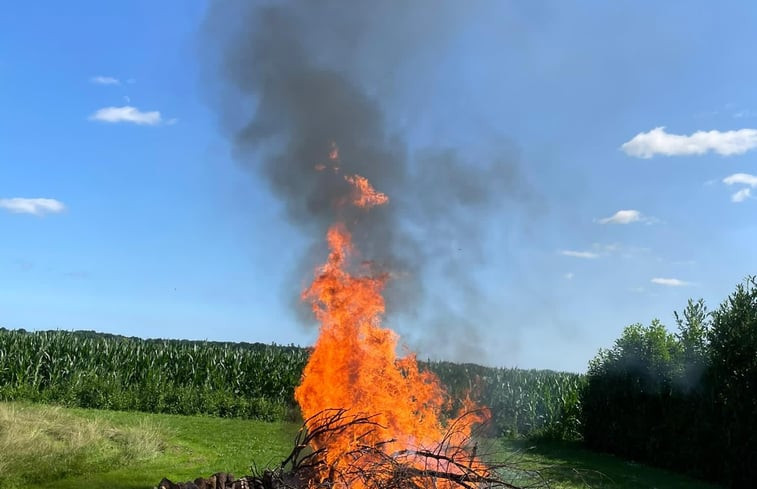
{"x": 104, "y": 80}
{"x": 569, "y": 276}
{"x": 741, "y": 195}
{"x": 741, "y": 179}
{"x": 627, "y": 216}
{"x": 744, "y": 113}
{"x": 670, "y": 282}
{"x": 580, "y": 254}
{"x": 37, "y": 207}
{"x": 127, "y": 114}
{"x": 657, "y": 141}
{"x": 599, "y": 250}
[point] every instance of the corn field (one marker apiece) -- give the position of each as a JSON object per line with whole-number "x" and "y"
{"x": 156, "y": 376}
{"x": 102, "y": 371}
{"x": 532, "y": 403}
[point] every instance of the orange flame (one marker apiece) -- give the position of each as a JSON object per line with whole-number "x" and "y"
{"x": 354, "y": 365}
{"x": 365, "y": 195}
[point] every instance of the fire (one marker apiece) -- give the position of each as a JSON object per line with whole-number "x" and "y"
{"x": 354, "y": 366}
{"x": 365, "y": 195}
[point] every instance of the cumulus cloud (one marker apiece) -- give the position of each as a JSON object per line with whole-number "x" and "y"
{"x": 669, "y": 282}
{"x": 626, "y": 216}
{"x": 579, "y": 254}
{"x": 37, "y": 207}
{"x": 657, "y": 141}
{"x": 104, "y": 80}
{"x": 127, "y": 114}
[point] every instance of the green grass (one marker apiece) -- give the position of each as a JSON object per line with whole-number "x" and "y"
{"x": 44, "y": 442}
{"x": 186, "y": 447}
{"x": 194, "y": 446}
{"x": 568, "y": 465}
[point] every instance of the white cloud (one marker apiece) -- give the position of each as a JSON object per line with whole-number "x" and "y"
{"x": 579, "y": 254}
{"x": 38, "y": 207}
{"x": 657, "y": 141}
{"x": 741, "y": 178}
{"x": 105, "y": 80}
{"x": 627, "y": 216}
{"x": 741, "y": 195}
{"x": 126, "y": 114}
{"x": 569, "y": 276}
{"x": 599, "y": 250}
{"x": 669, "y": 282}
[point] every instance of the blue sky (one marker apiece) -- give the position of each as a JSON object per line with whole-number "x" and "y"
{"x": 148, "y": 227}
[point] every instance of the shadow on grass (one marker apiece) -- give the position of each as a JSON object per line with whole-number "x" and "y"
{"x": 568, "y": 465}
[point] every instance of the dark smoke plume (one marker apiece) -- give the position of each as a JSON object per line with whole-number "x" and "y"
{"x": 301, "y": 76}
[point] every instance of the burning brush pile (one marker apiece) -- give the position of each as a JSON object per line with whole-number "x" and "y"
{"x": 373, "y": 420}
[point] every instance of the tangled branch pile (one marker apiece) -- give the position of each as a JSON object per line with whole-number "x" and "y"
{"x": 370, "y": 466}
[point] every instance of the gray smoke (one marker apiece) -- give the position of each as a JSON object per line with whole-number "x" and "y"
{"x": 299, "y": 76}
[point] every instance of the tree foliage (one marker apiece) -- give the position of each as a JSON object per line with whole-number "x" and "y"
{"x": 732, "y": 378}
{"x": 686, "y": 400}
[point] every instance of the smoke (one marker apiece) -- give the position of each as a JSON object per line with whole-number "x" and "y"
{"x": 299, "y": 77}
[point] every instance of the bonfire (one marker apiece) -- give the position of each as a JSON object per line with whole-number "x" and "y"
{"x": 373, "y": 419}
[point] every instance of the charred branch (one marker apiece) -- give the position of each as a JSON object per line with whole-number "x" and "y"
{"x": 313, "y": 464}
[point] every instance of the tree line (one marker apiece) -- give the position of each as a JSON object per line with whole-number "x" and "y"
{"x": 685, "y": 400}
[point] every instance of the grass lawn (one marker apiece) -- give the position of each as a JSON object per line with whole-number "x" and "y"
{"x": 567, "y": 465}
{"x": 185, "y": 447}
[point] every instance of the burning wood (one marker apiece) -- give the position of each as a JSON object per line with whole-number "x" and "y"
{"x": 404, "y": 441}
{"x": 365, "y": 465}
{"x": 371, "y": 465}
{"x": 355, "y": 365}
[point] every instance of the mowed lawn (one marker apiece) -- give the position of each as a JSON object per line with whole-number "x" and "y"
{"x": 74, "y": 448}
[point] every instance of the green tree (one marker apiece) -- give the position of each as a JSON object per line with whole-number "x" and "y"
{"x": 693, "y": 328}
{"x": 732, "y": 377}
{"x": 629, "y": 393}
